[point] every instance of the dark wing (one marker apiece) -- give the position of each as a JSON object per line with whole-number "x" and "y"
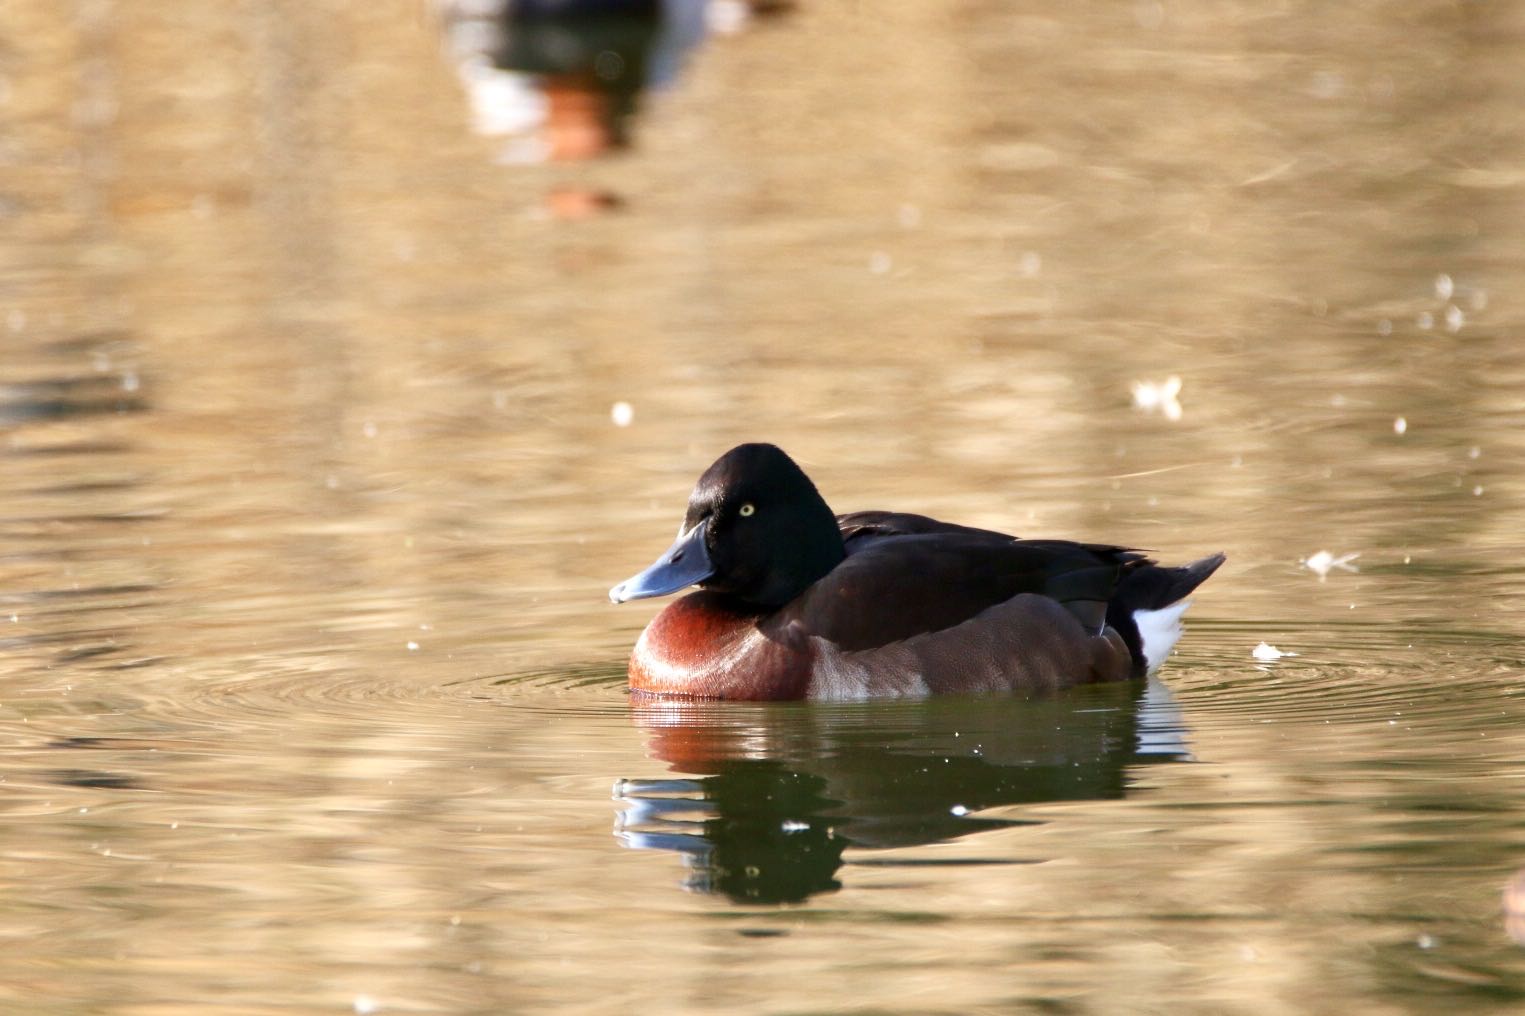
{"x": 859, "y": 528}
{"x": 893, "y": 587}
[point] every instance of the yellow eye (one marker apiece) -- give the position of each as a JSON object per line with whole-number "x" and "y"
{"x": 747, "y": 509}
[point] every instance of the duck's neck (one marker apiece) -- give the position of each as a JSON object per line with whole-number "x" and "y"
{"x": 800, "y": 564}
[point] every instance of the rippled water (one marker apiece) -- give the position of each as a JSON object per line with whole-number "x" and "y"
{"x": 313, "y": 487}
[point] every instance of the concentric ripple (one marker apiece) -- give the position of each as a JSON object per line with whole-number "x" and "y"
{"x": 1352, "y": 673}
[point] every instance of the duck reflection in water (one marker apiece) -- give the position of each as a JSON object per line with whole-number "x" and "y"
{"x": 562, "y": 79}
{"x": 590, "y": 59}
{"x": 776, "y": 793}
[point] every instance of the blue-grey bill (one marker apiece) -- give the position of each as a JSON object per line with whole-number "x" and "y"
{"x": 681, "y": 565}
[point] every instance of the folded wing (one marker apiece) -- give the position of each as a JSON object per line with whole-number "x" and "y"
{"x": 906, "y": 575}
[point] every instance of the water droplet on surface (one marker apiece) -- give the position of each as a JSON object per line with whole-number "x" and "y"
{"x": 1444, "y": 287}
{"x": 1323, "y": 562}
{"x": 1159, "y": 396}
{"x": 1266, "y": 651}
{"x": 622, "y": 413}
{"x": 880, "y": 263}
{"x": 1400, "y": 426}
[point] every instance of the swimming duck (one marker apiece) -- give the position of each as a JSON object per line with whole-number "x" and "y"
{"x": 795, "y": 602}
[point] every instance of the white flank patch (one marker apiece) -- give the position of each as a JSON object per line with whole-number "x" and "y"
{"x": 1158, "y": 631}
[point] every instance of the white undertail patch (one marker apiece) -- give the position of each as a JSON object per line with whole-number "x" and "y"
{"x": 1159, "y": 631}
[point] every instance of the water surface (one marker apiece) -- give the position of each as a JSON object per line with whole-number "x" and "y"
{"x": 311, "y": 695}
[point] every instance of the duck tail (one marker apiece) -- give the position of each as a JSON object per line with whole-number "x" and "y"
{"x": 1147, "y": 606}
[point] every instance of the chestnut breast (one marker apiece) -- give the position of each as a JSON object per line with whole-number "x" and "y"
{"x": 706, "y": 645}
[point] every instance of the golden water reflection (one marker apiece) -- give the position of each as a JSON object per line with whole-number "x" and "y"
{"x": 314, "y": 485}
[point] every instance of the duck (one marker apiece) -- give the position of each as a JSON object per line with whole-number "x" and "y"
{"x": 797, "y": 602}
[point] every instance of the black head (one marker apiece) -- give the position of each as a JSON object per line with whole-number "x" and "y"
{"x": 756, "y": 528}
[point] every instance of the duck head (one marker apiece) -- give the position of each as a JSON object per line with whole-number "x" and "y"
{"x": 756, "y": 528}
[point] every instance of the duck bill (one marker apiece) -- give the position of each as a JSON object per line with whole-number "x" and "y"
{"x": 683, "y": 564}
